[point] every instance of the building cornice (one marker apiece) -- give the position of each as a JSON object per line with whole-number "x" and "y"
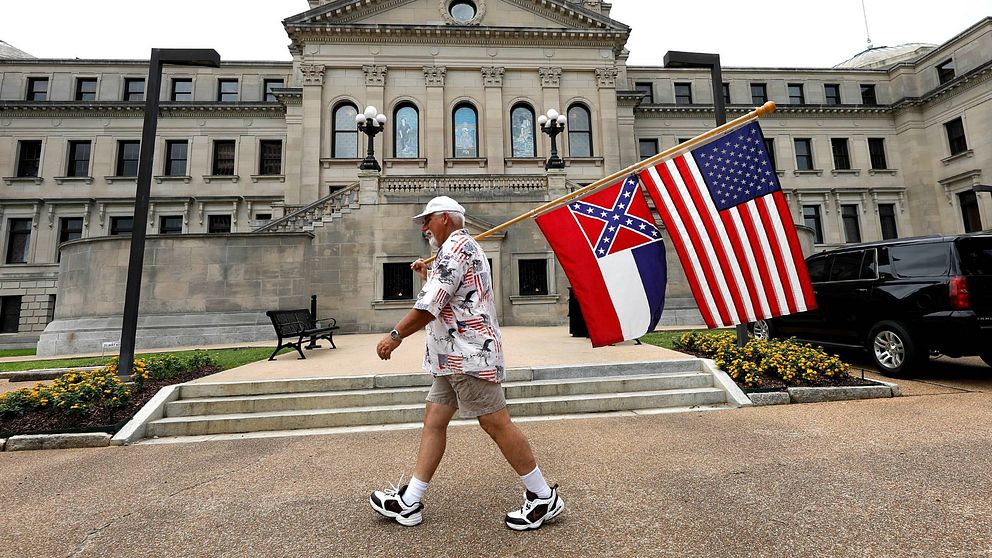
{"x": 956, "y": 86}
{"x": 49, "y": 109}
{"x": 283, "y": 64}
{"x": 786, "y": 111}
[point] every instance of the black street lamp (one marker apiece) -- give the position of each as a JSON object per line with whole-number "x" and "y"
{"x": 153, "y": 88}
{"x": 553, "y": 124}
{"x": 370, "y": 122}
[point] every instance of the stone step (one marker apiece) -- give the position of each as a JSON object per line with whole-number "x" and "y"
{"x": 186, "y": 407}
{"x": 391, "y": 414}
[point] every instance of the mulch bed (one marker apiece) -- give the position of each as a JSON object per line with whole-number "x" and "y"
{"x": 98, "y": 420}
{"x": 770, "y": 383}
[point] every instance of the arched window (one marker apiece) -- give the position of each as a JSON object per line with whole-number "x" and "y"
{"x": 579, "y": 131}
{"x": 465, "y": 131}
{"x": 522, "y": 136}
{"x": 344, "y": 135}
{"x": 406, "y": 132}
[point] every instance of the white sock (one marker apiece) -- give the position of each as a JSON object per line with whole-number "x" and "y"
{"x": 414, "y": 491}
{"x": 534, "y": 481}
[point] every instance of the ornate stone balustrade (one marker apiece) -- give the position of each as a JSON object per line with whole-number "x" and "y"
{"x": 463, "y": 184}
{"x": 332, "y": 206}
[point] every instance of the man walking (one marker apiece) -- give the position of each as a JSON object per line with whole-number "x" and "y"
{"x": 465, "y": 356}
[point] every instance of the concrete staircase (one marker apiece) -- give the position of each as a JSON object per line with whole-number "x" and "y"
{"x": 208, "y": 409}
{"x": 333, "y": 206}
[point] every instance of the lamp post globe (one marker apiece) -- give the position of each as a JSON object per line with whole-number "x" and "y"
{"x": 370, "y": 122}
{"x": 553, "y": 123}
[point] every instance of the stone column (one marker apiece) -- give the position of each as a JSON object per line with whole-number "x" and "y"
{"x": 550, "y": 97}
{"x": 436, "y": 117}
{"x": 368, "y": 187}
{"x": 313, "y": 117}
{"x": 606, "y": 80}
{"x": 293, "y": 168}
{"x": 375, "y": 82}
{"x": 629, "y": 151}
{"x": 556, "y": 184}
{"x": 492, "y": 78}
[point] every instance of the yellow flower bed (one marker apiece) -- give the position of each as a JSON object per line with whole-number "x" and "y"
{"x": 792, "y": 363}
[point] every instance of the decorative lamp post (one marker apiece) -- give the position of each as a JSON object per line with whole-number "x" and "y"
{"x": 553, "y": 124}
{"x": 370, "y": 122}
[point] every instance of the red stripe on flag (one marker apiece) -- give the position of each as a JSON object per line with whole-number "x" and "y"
{"x": 772, "y": 238}
{"x": 712, "y": 230}
{"x": 737, "y": 245}
{"x": 680, "y": 247}
{"x": 695, "y": 239}
{"x": 759, "y": 256}
{"x": 796, "y": 250}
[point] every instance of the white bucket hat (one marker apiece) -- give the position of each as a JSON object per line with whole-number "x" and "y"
{"x": 438, "y": 205}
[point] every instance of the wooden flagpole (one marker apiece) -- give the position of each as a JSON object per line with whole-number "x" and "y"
{"x": 764, "y": 109}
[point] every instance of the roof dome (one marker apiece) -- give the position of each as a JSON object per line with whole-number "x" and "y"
{"x": 884, "y": 57}
{"x": 8, "y": 52}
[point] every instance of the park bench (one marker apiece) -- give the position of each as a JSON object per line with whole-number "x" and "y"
{"x": 299, "y": 325}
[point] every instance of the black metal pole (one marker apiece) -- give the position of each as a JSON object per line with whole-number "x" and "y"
{"x": 313, "y": 321}
{"x": 132, "y": 292}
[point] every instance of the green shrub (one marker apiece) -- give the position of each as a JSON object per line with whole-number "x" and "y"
{"x": 201, "y": 359}
{"x": 73, "y": 393}
{"x": 785, "y": 360}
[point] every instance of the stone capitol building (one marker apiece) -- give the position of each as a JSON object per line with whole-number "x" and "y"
{"x": 258, "y": 202}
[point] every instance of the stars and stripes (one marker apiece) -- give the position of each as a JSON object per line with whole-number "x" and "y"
{"x": 731, "y": 226}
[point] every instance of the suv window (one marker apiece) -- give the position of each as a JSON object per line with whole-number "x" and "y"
{"x": 818, "y": 269}
{"x": 868, "y": 265}
{"x": 847, "y": 266}
{"x": 920, "y": 260}
{"x": 976, "y": 256}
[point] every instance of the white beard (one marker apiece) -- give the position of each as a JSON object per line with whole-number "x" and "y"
{"x": 433, "y": 242}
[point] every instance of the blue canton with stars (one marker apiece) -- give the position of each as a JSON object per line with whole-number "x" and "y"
{"x": 617, "y": 218}
{"x": 736, "y": 167}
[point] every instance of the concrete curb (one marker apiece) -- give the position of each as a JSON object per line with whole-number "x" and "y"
{"x": 41, "y": 373}
{"x": 153, "y": 410}
{"x": 735, "y": 395}
{"x": 57, "y": 441}
{"x": 824, "y": 394}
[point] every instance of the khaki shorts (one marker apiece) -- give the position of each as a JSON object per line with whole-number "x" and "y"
{"x": 470, "y": 395}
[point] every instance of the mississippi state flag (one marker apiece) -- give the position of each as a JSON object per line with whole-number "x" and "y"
{"x": 614, "y": 257}
{"x": 724, "y": 210}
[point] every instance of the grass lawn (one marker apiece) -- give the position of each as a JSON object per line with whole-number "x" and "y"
{"x": 226, "y": 358}
{"x": 666, "y": 339}
{"x": 16, "y": 352}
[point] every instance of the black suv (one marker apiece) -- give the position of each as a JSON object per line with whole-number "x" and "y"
{"x": 901, "y": 300}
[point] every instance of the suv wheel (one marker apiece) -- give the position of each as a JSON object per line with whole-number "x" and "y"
{"x": 761, "y": 329}
{"x": 892, "y": 349}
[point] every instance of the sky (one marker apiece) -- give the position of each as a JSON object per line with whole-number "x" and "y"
{"x": 776, "y": 33}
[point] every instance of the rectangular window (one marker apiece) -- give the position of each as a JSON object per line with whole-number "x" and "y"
{"x": 759, "y": 94}
{"x": 37, "y": 89}
{"x": 868, "y": 97}
{"x": 842, "y": 158}
{"x": 647, "y": 147}
{"x": 175, "y": 158}
{"x": 85, "y": 89}
{"x": 79, "y": 159}
{"x": 945, "y": 71}
{"x": 270, "y": 157}
{"x": 397, "y": 281}
{"x": 263, "y": 216}
{"x": 955, "y": 136}
{"x": 876, "y": 152}
{"x": 811, "y": 218}
{"x": 804, "y": 154}
{"x": 647, "y": 89}
{"x": 182, "y": 89}
{"x": 533, "y": 277}
{"x": 121, "y": 226}
{"x": 227, "y": 90}
{"x": 219, "y": 223}
{"x": 887, "y": 219}
{"x": 70, "y": 228}
{"x": 18, "y": 240}
{"x": 127, "y": 157}
{"x": 726, "y": 94}
{"x": 170, "y": 224}
{"x": 134, "y": 89}
{"x": 796, "y": 96}
{"x": 10, "y": 314}
{"x": 683, "y": 93}
{"x": 770, "y": 148}
{"x": 271, "y": 84}
{"x": 852, "y": 229}
{"x": 831, "y": 93}
{"x": 223, "y": 158}
{"x": 969, "y": 211}
{"x": 28, "y": 158}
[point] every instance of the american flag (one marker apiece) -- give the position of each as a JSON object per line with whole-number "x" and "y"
{"x": 731, "y": 226}
{"x": 450, "y": 362}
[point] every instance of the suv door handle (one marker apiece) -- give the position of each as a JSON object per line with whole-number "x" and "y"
{"x": 861, "y": 290}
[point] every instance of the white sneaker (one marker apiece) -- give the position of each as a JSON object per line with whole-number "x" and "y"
{"x": 535, "y": 511}
{"x": 389, "y": 503}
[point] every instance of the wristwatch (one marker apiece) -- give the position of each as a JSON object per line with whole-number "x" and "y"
{"x": 395, "y": 335}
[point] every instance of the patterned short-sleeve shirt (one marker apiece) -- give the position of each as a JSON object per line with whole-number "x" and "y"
{"x": 464, "y": 338}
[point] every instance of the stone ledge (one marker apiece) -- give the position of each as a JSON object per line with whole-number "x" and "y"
{"x": 57, "y": 441}
{"x": 769, "y": 398}
{"x": 820, "y": 394}
{"x": 41, "y": 373}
